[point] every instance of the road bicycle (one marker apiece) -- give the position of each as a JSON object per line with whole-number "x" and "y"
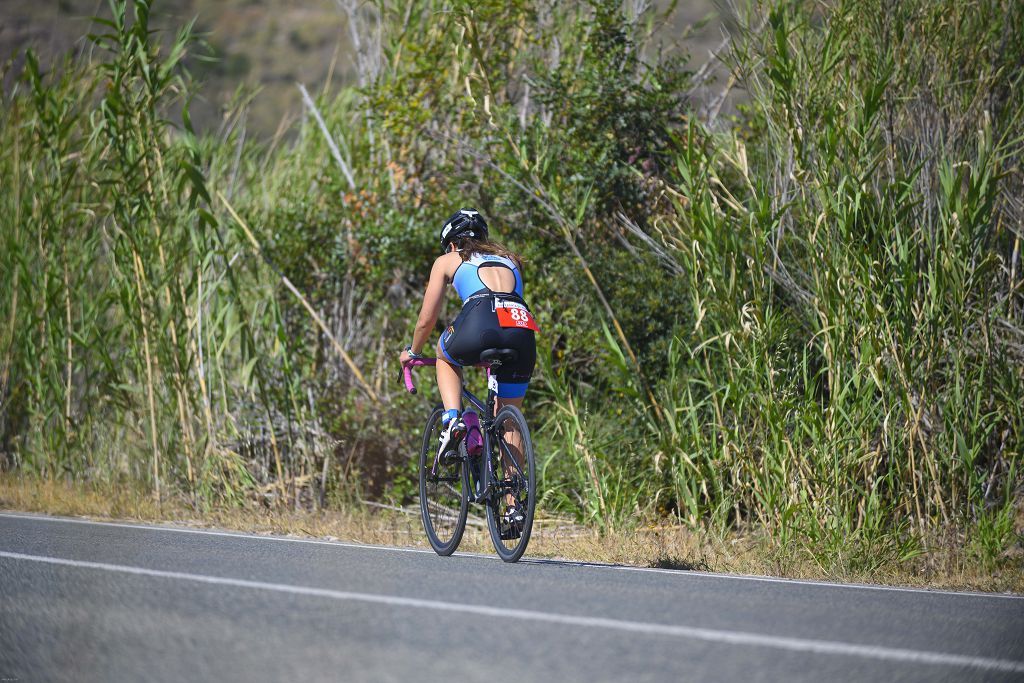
{"x": 494, "y": 467}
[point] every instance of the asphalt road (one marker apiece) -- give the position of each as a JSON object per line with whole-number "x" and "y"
{"x": 88, "y": 601}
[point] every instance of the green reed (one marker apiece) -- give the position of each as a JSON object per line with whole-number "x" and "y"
{"x": 853, "y": 356}
{"x": 804, "y": 320}
{"x": 135, "y": 333}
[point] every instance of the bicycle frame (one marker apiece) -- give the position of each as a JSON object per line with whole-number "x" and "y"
{"x": 486, "y": 484}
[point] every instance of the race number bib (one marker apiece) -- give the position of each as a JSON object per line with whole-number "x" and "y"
{"x": 514, "y": 314}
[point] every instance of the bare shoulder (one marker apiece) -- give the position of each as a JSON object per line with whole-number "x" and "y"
{"x": 446, "y": 265}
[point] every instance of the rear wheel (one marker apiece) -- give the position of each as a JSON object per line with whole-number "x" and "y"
{"x": 515, "y": 484}
{"x": 444, "y": 490}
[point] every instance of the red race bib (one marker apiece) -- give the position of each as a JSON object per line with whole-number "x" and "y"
{"x": 514, "y": 314}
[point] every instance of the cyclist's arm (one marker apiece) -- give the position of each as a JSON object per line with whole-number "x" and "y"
{"x": 432, "y": 300}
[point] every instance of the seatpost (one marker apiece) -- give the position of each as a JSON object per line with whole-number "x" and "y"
{"x": 492, "y": 390}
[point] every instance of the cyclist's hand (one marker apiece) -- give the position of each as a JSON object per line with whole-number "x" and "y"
{"x": 404, "y": 358}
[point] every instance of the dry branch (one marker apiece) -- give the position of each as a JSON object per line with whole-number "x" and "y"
{"x": 305, "y": 303}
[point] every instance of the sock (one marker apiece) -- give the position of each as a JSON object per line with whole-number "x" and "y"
{"x": 448, "y": 416}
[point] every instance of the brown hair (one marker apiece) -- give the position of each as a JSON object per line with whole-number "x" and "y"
{"x": 469, "y": 246}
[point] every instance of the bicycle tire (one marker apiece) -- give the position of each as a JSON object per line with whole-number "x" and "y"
{"x": 519, "y": 481}
{"x": 441, "y": 492}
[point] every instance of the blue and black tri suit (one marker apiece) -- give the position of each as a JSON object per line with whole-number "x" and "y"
{"x": 476, "y": 328}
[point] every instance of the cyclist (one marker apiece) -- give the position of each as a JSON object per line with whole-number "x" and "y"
{"x": 488, "y": 279}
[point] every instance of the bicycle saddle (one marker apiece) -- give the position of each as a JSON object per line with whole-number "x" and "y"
{"x": 498, "y": 357}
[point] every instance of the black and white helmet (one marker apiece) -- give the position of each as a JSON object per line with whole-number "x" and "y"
{"x": 463, "y": 223}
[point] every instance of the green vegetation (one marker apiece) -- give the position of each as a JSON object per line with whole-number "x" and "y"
{"x": 805, "y": 322}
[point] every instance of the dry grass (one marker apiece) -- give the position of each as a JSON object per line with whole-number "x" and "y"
{"x": 945, "y": 565}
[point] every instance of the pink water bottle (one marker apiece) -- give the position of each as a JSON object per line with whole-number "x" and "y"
{"x": 474, "y": 438}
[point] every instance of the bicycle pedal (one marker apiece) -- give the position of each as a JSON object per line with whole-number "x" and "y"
{"x": 510, "y": 532}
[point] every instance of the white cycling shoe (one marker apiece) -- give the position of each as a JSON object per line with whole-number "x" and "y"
{"x": 450, "y": 434}
{"x": 512, "y": 522}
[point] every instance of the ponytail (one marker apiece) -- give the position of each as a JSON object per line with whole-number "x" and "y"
{"x": 469, "y": 246}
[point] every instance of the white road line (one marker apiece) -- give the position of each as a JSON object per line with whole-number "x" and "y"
{"x": 821, "y": 647}
{"x": 592, "y": 565}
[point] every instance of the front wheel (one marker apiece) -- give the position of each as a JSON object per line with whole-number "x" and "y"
{"x": 444, "y": 490}
{"x": 515, "y": 484}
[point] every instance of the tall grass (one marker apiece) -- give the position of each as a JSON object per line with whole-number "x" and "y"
{"x": 854, "y": 372}
{"x": 804, "y": 320}
{"x": 846, "y": 368}
{"x": 141, "y": 341}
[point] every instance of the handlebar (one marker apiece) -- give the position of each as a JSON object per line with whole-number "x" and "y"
{"x": 407, "y": 371}
{"x": 420, "y": 362}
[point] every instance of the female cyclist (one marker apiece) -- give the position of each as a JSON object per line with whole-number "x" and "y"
{"x": 488, "y": 279}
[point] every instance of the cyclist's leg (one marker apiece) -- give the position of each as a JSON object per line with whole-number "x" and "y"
{"x": 449, "y": 381}
{"x": 457, "y": 348}
{"x": 502, "y": 402}
{"x": 512, "y": 386}
{"x": 511, "y": 436}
